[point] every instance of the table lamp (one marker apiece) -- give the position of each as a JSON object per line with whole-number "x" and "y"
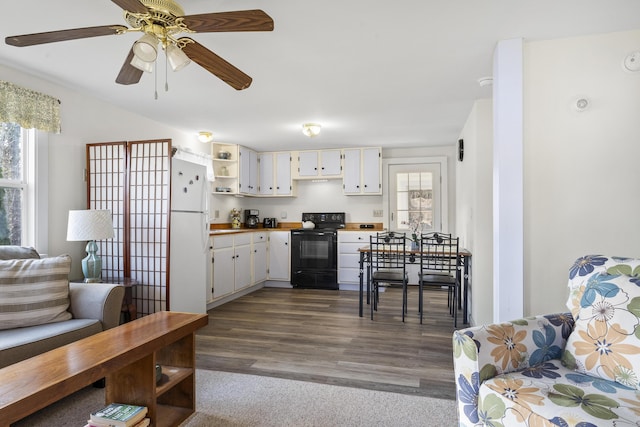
{"x": 90, "y": 225}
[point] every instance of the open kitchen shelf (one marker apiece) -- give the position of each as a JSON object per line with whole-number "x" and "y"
{"x": 225, "y": 169}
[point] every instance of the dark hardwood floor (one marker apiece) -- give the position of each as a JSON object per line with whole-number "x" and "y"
{"x": 316, "y": 335}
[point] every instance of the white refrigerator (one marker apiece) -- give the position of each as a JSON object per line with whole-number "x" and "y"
{"x": 189, "y": 237}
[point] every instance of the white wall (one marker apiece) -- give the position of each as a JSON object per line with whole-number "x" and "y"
{"x": 84, "y": 120}
{"x": 581, "y": 169}
{"x": 474, "y": 207}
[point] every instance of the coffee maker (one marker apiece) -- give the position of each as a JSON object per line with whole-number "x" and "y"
{"x": 251, "y": 219}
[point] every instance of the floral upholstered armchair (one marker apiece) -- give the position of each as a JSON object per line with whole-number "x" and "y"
{"x": 552, "y": 370}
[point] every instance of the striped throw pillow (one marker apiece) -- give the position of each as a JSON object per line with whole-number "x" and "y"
{"x": 34, "y": 291}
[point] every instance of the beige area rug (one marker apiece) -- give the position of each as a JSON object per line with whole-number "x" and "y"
{"x": 238, "y": 400}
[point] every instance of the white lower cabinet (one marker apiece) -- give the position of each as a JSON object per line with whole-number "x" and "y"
{"x": 230, "y": 263}
{"x": 348, "y": 255}
{"x": 279, "y": 255}
{"x": 259, "y": 257}
{"x": 223, "y": 281}
{"x": 241, "y": 260}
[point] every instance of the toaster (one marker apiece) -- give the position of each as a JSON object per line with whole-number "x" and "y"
{"x": 269, "y": 223}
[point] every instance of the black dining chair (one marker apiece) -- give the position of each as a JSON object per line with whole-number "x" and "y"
{"x": 388, "y": 266}
{"x": 439, "y": 268}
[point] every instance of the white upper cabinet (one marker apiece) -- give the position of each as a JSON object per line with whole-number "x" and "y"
{"x": 266, "y": 186}
{"x": 319, "y": 163}
{"x": 275, "y": 174}
{"x": 248, "y": 181}
{"x": 362, "y": 171}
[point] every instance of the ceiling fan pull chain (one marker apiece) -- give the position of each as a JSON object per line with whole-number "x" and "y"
{"x": 155, "y": 77}
{"x": 166, "y": 71}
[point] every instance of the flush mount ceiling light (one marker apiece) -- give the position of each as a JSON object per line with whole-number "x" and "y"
{"x": 205, "y": 136}
{"x": 311, "y": 129}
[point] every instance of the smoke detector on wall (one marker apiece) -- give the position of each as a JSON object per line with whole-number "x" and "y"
{"x": 581, "y": 104}
{"x": 632, "y": 61}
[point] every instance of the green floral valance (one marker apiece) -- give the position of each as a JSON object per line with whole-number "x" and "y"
{"x": 28, "y": 108}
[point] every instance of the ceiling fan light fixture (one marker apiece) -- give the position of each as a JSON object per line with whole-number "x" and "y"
{"x": 177, "y": 58}
{"x": 146, "y": 48}
{"x": 205, "y": 136}
{"x": 311, "y": 129}
{"x": 142, "y": 65}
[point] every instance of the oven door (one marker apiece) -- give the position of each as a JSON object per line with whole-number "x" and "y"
{"x": 313, "y": 250}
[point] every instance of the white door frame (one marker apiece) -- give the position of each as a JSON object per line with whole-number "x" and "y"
{"x": 444, "y": 191}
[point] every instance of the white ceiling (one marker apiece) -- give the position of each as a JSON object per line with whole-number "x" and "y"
{"x": 372, "y": 72}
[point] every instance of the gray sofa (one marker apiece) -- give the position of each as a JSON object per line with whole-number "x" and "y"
{"x": 89, "y": 308}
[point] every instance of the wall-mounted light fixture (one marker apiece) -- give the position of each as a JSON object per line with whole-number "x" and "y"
{"x": 205, "y": 136}
{"x": 311, "y": 129}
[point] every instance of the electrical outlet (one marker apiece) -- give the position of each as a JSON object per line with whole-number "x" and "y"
{"x": 283, "y": 215}
{"x": 216, "y": 214}
{"x": 377, "y": 213}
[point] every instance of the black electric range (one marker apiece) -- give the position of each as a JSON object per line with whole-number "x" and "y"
{"x": 314, "y": 251}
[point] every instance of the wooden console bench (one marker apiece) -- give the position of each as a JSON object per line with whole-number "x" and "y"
{"x": 126, "y": 356}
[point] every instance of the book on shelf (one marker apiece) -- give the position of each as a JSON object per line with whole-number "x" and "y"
{"x": 145, "y": 422}
{"x": 118, "y": 415}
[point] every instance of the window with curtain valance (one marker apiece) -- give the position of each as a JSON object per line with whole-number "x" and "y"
{"x": 28, "y": 108}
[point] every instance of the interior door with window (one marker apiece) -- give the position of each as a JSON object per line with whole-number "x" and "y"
{"x": 415, "y": 202}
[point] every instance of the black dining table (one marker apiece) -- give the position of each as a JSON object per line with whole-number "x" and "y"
{"x": 465, "y": 267}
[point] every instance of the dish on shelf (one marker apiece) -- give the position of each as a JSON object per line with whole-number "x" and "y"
{"x": 224, "y": 155}
{"x": 223, "y": 189}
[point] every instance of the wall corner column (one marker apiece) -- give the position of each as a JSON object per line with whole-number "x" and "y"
{"x": 508, "y": 188}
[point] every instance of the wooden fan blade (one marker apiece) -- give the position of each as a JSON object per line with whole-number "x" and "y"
{"x": 241, "y": 20}
{"x": 131, "y": 6}
{"x": 128, "y": 73}
{"x": 63, "y": 35}
{"x": 216, "y": 65}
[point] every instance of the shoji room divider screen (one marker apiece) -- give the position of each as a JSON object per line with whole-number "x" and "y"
{"x": 132, "y": 179}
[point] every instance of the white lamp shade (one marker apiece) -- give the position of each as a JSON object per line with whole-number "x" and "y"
{"x": 85, "y": 225}
{"x": 177, "y": 58}
{"x": 142, "y": 65}
{"x": 146, "y": 48}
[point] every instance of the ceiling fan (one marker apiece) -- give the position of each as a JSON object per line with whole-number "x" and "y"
{"x": 162, "y": 21}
